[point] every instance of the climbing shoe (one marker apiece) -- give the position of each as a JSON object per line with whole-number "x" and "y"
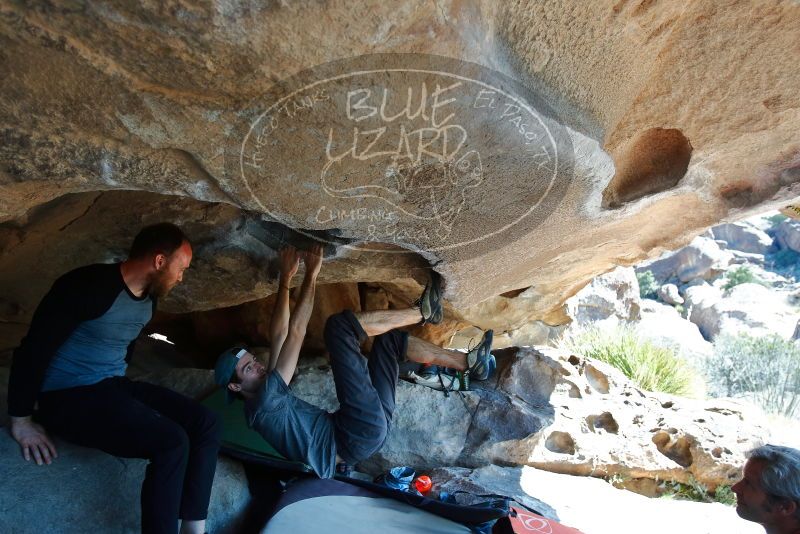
{"x": 430, "y": 303}
{"x": 440, "y": 378}
{"x": 480, "y": 361}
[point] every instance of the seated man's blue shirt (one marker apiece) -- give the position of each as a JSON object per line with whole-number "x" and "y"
{"x": 97, "y": 348}
{"x": 298, "y": 430}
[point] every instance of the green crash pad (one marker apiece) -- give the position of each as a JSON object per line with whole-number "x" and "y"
{"x": 241, "y": 441}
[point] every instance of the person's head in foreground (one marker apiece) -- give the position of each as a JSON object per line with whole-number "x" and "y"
{"x": 240, "y": 372}
{"x": 769, "y": 491}
{"x": 161, "y": 253}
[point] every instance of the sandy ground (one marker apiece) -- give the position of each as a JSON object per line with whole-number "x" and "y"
{"x": 595, "y": 507}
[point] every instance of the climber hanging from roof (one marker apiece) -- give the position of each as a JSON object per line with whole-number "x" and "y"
{"x": 365, "y": 387}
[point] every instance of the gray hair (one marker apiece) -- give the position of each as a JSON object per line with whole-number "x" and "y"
{"x": 781, "y": 474}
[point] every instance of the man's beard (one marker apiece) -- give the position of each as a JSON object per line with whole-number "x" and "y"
{"x": 749, "y": 513}
{"x": 159, "y": 286}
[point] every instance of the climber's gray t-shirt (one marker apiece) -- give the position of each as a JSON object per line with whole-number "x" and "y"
{"x": 298, "y": 430}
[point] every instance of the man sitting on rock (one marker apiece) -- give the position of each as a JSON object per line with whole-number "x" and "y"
{"x": 365, "y": 387}
{"x": 769, "y": 491}
{"x": 73, "y": 363}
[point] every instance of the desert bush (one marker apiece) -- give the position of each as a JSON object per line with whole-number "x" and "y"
{"x": 725, "y": 495}
{"x": 650, "y": 367}
{"x": 647, "y": 285}
{"x": 765, "y": 370}
{"x": 696, "y": 491}
{"x": 742, "y": 275}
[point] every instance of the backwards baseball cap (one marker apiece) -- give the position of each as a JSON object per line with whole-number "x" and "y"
{"x": 226, "y": 368}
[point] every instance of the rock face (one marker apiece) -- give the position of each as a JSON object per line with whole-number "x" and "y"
{"x": 165, "y": 100}
{"x": 665, "y": 327}
{"x": 787, "y": 235}
{"x": 458, "y": 431}
{"x": 746, "y": 308}
{"x": 613, "y": 296}
{"x": 234, "y": 252}
{"x": 86, "y": 490}
{"x": 702, "y": 258}
{"x": 701, "y": 295}
{"x": 743, "y": 237}
{"x": 249, "y": 322}
{"x": 561, "y": 413}
{"x": 604, "y": 426}
{"x": 669, "y": 293}
{"x": 533, "y": 333}
{"x": 597, "y": 306}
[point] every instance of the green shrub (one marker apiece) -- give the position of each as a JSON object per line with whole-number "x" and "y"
{"x": 765, "y": 370}
{"x": 647, "y": 285}
{"x": 742, "y": 275}
{"x": 650, "y": 367}
{"x": 696, "y": 491}
{"x": 725, "y": 495}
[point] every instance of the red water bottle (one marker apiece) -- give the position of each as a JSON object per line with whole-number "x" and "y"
{"x": 423, "y": 484}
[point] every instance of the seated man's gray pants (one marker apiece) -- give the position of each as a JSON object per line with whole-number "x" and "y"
{"x": 365, "y": 387}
